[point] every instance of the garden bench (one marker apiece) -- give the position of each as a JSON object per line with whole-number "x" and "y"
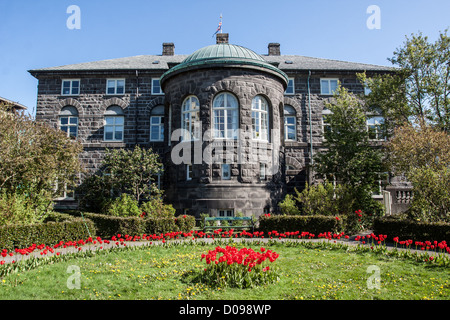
{"x": 249, "y": 225}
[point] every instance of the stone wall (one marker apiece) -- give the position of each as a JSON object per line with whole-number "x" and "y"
{"x": 244, "y": 192}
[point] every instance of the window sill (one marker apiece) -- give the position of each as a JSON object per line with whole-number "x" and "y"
{"x": 105, "y": 144}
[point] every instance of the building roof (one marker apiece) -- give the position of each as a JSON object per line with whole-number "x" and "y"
{"x": 294, "y": 62}
{"x": 142, "y": 62}
{"x": 15, "y": 105}
{"x": 165, "y": 62}
{"x": 224, "y": 54}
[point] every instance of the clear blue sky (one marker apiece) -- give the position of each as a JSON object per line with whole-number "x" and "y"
{"x": 33, "y": 33}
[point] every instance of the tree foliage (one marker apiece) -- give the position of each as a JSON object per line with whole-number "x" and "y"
{"x": 348, "y": 156}
{"x": 422, "y": 154}
{"x": 34, "y": 159}
{"x": 419, "y": 89}
{"x": 133, "y": 171}
{"x": 125, "y": 181}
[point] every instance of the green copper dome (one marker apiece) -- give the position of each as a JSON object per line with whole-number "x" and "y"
{"x": 224, "y": 55}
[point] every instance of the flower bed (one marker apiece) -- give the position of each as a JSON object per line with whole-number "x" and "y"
{"x": 241, "y": 268}
{"x": 440, "y": 251}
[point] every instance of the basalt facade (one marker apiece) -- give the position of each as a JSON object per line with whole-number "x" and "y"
{"x": 235, "y": 130}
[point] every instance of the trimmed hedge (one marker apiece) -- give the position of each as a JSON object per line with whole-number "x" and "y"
{"x": 63, "y": 228}
{"x": 314, "y": 224}
{"x": 407, "y": 229}
{"x": 108, "y": 226}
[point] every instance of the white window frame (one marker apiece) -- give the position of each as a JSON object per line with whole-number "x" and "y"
{"x": 190, "y": 119}
{"x": 259, "y": 116}
{"x": 286, "y": 124}
{"x": 377, "y": 125}
{"x": 325, "y": 124}
{"x": 71, "y": 87}
{"x": 115, "y": 86}
{"x": 225, "y": 212}
{"x": 154, "y": 91}
{"x": 226, "y": 171}
{"x": 291, "y": 85}
{"x": 262, "y": 171}
{"x": 114, "y": 113}
{"x": 221, "y": 115}
{"x": 65, "y": 193}
{"x": 329, "y": 93}
{"x": 69, "y": 125}
{"x": 115, "y": 127}
{"x": 159, "y": 125}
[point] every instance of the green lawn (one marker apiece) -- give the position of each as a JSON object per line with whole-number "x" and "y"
{"x": 167, "y": 272}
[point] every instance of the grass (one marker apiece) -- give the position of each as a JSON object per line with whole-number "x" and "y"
{"x": 167, "y": 272}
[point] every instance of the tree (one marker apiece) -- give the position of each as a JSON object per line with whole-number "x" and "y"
{"x": 133, "y": 171}
{"x": 123, "y": 171}
{"x": 422, "y": 154}
{"x": 348, "y": 156}
{"x": 34, "y": 159}
{"x": 418, "y": 91}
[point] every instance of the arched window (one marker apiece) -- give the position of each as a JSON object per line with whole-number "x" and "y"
{"x": 114, "y": 124}
{"x": 260, "y": 118}
{"x": 290, "y": 123}
{"x": 190, "y": 119}
{"x": 157, "y": 124}
{"x": 225, "y": 116}
{"x": 68, "y": 121}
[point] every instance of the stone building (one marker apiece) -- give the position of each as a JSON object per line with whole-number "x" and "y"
{"x": 236, "y": 130}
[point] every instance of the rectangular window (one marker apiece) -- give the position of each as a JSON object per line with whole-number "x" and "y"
{"x": 188, "y": 172}
{"x": 291, "y": 87}
{"x": 325, "y": 125}
{"x": 262, "y": 171}
{"x": 70, "y": 87}
{"x": 157, "y": 128}
{"x": 328, "y": 86}
{"x": 225, "y": 212}
{"x": 64, "y": 191}
{"x": 375, "y": 128}
{"x": 115, "y": 86}
{"x": 290, "y": 128}
{"x": 156, "y": 87}
{"x": 226, "y": 171}
{"x": 114, "y": 126}
{"x": 69, "y": 124}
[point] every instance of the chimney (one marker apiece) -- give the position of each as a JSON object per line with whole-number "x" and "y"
{"x": 222, "y": 38}
{"x": 274, "y": 49}
{"x": 168, "y": 49}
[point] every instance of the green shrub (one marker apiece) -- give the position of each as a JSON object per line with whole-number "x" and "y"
{"x": 20, "y": 209}
{"x": 397, "y": 226}
{"x": 156, "y": 208}
{"x": 431, "y": 201}
{"x": 123, "y": 206}
{"x": 324, "y": 199}
{"x": 67, "y": 228}
{"x": 314, "y": 224}
{"x": 185, "y": 223}
{"x": 94, "y": 193}
{"x": 108, "y": 226}
{"x": 288, "y": 206}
